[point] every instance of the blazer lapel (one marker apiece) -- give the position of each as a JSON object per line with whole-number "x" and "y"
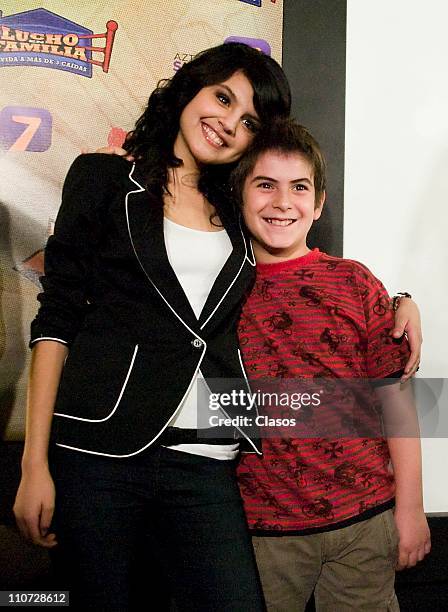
{"x": 144, "y": 217}
{"x": 228, "y": 274}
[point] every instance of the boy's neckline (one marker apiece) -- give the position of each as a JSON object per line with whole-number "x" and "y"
{"x": 274, "y": 266}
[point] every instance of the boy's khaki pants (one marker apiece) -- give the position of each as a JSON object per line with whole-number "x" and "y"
{"x": 350, "y": 569}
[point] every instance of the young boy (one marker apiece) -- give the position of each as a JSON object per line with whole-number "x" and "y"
{"x": 320, "y": 510}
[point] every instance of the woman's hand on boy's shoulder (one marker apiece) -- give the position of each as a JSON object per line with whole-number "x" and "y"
{"x": 407, "y": 321}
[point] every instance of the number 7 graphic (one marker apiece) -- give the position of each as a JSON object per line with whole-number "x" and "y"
{"x": 22, "y": 142}
{"x": 25, "y": 128}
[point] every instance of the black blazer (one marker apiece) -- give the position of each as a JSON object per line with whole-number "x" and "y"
{"x": 111, "y": 295}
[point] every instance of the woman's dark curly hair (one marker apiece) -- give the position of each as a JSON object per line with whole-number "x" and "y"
{"x": 152, "y": 141}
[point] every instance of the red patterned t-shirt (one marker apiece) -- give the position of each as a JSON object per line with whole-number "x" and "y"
{"x": 317, "y": 317}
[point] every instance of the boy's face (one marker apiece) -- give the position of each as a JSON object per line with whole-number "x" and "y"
{"x": 279, "y": 206}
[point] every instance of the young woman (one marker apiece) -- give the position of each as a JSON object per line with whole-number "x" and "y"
{"x": 143, "y": 284}
{"x": 142, "y": 292}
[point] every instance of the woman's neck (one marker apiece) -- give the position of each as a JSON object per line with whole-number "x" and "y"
{"x": 185, "y": 204}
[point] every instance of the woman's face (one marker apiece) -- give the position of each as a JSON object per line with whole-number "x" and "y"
{"x": 218, "y": 124}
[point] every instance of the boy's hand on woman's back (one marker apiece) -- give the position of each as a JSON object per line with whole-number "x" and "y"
{"x": 114, "y": 150}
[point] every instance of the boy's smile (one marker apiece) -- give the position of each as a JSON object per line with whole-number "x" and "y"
{"x": 279, "y": 205}
{"x": 280, "y": 222}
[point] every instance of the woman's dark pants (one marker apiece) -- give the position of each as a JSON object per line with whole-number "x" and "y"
{"x": 131, "y": 530}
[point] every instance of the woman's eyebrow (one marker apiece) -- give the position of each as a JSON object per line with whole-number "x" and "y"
{"x": 228, "y": 90}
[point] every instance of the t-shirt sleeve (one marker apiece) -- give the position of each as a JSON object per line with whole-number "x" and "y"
{"x": 386, "y": 356}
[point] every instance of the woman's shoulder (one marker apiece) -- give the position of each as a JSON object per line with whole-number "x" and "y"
{"x": 101, "y": 165}
{"x": 97, "y": 173}
{"x": 94, "y": 180}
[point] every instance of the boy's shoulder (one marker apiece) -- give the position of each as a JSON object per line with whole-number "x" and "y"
{"x": 344, "y": 266}
{"x": 347, "y": 276}
{"x": 320, "y": 269}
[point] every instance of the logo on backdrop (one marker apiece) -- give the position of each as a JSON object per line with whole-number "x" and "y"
{"x": 256, "y": 43}
{"x": 252, "y": 2}
{"x": 116, "y": 137}
{"x": 180, "y": 59}
{"x": 256, "y": 2}
{"x": 25, "y": 128}
{"x": 43, "y": 39}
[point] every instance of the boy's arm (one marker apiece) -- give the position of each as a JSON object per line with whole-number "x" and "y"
{"x": 386, "y": 358}
{"x": 407, "y": 320}
{"x": 400, "y": 419}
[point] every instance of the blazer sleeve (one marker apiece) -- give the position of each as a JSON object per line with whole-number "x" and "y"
{"x": 68, "y": 253}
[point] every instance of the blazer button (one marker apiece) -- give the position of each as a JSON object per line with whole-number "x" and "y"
{"x": 196, "y": 343}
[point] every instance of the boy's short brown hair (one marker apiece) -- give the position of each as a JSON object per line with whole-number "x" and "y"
{"x": 284, "y": 136}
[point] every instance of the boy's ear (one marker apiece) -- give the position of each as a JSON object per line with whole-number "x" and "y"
{"x": 318, "y": 209}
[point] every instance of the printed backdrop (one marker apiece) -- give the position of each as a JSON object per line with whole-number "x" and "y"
{"x": 74, "y": 76}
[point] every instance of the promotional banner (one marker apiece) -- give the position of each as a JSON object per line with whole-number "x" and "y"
{"x": 74, "y": 77}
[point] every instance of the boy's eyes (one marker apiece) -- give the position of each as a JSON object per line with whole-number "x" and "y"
{"x": 296, "y": 187}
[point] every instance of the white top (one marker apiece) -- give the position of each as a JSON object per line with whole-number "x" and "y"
{"x": 197, "y": 258}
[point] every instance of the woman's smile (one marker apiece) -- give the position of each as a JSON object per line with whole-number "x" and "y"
{"x": 219, "y": 123}
{"x": 211, "y": 136}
